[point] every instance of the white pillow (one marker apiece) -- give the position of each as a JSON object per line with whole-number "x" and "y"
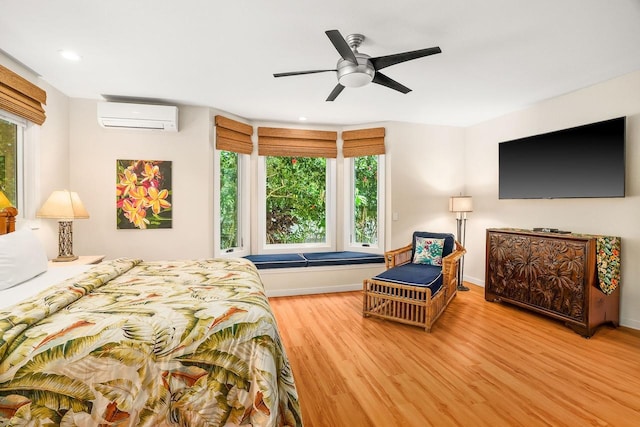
{"x": 22, "y": 257}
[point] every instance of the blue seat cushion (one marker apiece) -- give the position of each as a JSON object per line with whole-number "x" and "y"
{"x": 315, "y": 259}
{"x": 277, "y": 261}
{"x": 448, "y": 241}
{"x": 425, "y": 275}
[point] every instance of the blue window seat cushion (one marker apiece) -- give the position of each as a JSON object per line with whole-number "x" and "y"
{"x": 277, "y": 261}
{"x": 315, "y": 259}
{"x": 415, "y": 275}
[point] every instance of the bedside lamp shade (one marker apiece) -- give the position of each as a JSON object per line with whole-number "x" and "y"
{"x": 65, "y": 206}
{"x": 4, "y": 201}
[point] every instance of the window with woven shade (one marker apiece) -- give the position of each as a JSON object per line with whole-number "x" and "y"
{"x": 231, "y": 200}
{"x": 232, "y": 135}
{"x": 20, "y": 97}
{"x": 297, "y": 143}
{"x": 297, "y": 189}
{"x": 364, "y": 151}
{"x": 363, "y": 142}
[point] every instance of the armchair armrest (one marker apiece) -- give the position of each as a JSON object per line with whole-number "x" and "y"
{"x": 398, "y": 256}
{"x": 450, "y": 262}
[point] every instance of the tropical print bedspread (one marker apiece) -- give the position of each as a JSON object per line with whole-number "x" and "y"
{"x": 132, "y": 343}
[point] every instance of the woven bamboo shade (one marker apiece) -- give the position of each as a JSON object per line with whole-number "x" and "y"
{"x": 297, "y": 142}
{"x": 21, "y": 97}
{"x": 233, "y": 136}
{"x": 363, "y": 142}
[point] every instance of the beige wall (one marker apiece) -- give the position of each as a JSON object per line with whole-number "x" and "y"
{"x": 426, "y": 167}
{"x": 611, "y": 216}
{"x": 93, "y": 154}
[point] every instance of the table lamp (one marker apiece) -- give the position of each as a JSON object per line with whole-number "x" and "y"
{"x": 65, "y": 206}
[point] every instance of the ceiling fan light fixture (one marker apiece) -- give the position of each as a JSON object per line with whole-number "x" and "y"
{"x": 355, "y": 75}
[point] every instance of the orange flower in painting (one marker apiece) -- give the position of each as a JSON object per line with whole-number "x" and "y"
{"x": 156, "y": 199}
{"x": 139, "y": 195}
{"x": 151, "y": 171}
{"x": 128, "y": 181}
{"x": 135, "y": 213}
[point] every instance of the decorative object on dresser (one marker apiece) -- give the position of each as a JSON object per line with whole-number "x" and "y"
{"x": 65, "y": 206}
{"x": 461, "y": 205}
{"x": 573, "y": 278}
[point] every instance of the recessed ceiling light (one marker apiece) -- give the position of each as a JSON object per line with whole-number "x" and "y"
{"x": 70, "y": 55}
{"x": 302, "y": 118}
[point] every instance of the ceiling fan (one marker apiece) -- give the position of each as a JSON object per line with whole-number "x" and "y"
{"x": 357, "y": 69}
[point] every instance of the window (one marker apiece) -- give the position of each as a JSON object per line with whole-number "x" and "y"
{"x": 365, "y": 219}
{"x": 231, "y": 204}
{"x": 297, "y": 203}
{"x": 11, "y": 158}
{"x": 230, "y": 221}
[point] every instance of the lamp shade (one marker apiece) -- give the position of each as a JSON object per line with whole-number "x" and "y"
{"x": 460, "y": 204}
{"x": 63, "y": 205}
{"x": 4, "y": 201}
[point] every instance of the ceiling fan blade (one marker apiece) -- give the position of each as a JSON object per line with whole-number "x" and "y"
{"x": 383, "y": 80}
{"x": 296, "y": 73}
{"x": 341, "y": 45}
{"x": 384, "y": 61}
{"x": 335, "y": 92}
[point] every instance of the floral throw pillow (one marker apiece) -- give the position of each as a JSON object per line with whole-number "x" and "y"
{"x": 428, "y": 251}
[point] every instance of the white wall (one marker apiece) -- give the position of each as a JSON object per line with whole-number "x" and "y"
{"x": 53, "y": 147}
{"x": 426, "y": 167}
{"x": 609, "y": 216}
{"x": 93, "y": 154}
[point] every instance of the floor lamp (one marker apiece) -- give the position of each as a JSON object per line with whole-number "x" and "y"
{"x": 461, "y": 205}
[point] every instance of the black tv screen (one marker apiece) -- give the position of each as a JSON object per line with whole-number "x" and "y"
{"x": 584, "y": 161}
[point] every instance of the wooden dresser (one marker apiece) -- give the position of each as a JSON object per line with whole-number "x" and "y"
{"x": 550, "y": 273}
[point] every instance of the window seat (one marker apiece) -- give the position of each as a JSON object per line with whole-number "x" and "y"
{"x": 314, "y": 259}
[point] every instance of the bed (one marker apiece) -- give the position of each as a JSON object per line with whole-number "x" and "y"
{"x": 134, "y": 343}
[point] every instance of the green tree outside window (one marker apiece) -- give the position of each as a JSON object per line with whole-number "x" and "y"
{"x": 9, "y": 160}
{"x": 296, "y": 200}
{"x": 229, "y": 200}
{"x": 366, "y": 199}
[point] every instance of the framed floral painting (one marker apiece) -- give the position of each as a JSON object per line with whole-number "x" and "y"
{"x": 143, "y": 194}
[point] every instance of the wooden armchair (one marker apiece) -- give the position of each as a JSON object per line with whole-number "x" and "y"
{"x": 411, "y": 292}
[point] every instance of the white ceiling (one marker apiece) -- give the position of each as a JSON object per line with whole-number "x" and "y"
{"x": 498, "y": 55}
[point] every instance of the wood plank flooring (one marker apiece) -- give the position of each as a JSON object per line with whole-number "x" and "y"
{"x": 483, "y": 364}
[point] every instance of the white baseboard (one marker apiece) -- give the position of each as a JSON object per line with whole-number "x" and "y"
{"x": 474, "y": 280}
{"x": 630, "y": 323}
{"x": 318, "y": 290}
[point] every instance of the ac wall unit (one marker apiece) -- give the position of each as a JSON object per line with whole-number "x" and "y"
{"x": 119, "y": 115}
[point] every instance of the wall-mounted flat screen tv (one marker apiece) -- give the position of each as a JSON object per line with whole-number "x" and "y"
{"x": 584, "y": 161}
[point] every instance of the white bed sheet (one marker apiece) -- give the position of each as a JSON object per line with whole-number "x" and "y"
{"x": 31, "y": 287}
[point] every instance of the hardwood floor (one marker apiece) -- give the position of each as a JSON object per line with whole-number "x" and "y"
{"x": 483, "y": 364}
